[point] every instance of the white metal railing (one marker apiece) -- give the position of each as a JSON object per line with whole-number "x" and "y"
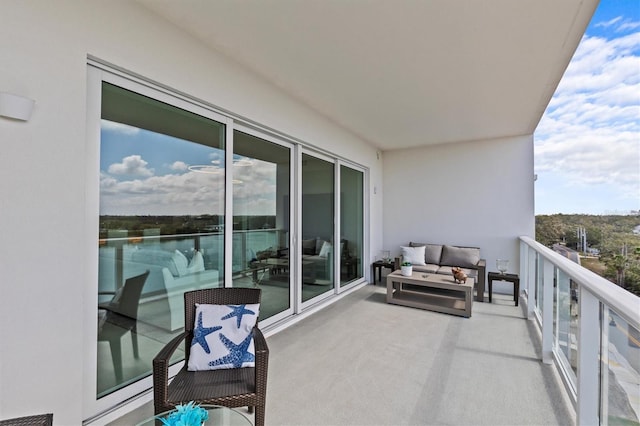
{"x": 590, "y": 331}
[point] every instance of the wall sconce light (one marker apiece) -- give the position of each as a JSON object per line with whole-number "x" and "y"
{"x": 16, "y": 107}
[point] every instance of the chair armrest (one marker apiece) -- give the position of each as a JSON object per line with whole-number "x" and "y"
{"x": 482, "y": 263}
{"x": 161, "y": 371}
{"x": 167, "y": 351}
{"x": 262, "y": 360}
{"x": 259, "y": 342}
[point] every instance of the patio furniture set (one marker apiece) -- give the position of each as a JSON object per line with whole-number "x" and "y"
{"x": 431, "y": 284}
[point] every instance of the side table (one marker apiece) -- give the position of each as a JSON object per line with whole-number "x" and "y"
{"x": 513, "y": 278}
{"x": 379, "y": 264}
{"x": 218, "y": 415}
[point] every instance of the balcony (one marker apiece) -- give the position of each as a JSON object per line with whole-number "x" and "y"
{"x": 360, "y": 360}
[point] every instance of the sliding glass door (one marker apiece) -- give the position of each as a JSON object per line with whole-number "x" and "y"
{"x": 161, "y": 230}
{"x": 317, "y": 239}
{"x": 185, "y": 197}
{"x": 261, "y": 212}
{"x": 351, "y": 224}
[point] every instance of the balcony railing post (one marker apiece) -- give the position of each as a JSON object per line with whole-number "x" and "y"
{"x": 524, "y": 267}
{"x": 547, "y": 311}
{"x": 531, "y": 280}
{"x": 588, "y": 386}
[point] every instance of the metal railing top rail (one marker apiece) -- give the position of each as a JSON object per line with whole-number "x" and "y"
{"x": 624, "y": 303}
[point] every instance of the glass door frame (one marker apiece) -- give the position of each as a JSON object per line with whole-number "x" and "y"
{"x": 250, "y": 130}
{"x": 365, "y": 235}
{"x": 299, "y": 279}
{"x": 97, "y": 73}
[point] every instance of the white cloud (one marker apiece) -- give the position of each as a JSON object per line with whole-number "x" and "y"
{"x": 132, "y": 165}
{"x": 179, "y": 166}
{"x": 626, "y": 26}
{"x": 590, "y": 133}
{"x": 610, "y": 22}
{"x": 171, "y": 194}
{"x": 191, "y": 193}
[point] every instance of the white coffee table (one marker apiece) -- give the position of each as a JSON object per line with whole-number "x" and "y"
{"x": 434, "y": 292}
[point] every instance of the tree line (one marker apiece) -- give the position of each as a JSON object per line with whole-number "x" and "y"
{"x": 613, "y": 236}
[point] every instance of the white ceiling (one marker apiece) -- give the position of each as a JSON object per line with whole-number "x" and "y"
{"x": 400, "y": 73}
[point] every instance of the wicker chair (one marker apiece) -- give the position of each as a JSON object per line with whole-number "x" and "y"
{"x": 37, "y": 420}
{"x": 239, "y": 387}
{"x": 121, "y": 317}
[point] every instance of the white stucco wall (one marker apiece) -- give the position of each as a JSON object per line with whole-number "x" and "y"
{"x": 44, "y": 304}
{"x": 478, "y": 193}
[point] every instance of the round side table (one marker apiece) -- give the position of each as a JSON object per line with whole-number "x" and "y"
{"x": 218, "y": 415}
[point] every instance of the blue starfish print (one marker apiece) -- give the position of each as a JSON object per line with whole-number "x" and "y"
{"x": 238, "y": 354}
{"x": 238, "y": 311}
{"x": 200, "y": 333}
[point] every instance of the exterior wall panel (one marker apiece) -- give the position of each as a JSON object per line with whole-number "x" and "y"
{"x": 478, "y": 193}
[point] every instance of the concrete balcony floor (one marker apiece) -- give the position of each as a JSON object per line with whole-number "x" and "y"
{"x": 361, "y": 361}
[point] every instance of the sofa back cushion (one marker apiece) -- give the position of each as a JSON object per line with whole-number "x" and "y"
{"x": 414, "y": 255}
{"x": 464, "y": 257}
{"x": 432, "y": 252}
{"x": 309, "y": 246}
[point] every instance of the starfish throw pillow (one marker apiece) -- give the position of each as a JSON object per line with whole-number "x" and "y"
{"x": 223, "y": 337}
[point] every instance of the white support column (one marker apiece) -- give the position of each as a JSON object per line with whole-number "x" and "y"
{"x": 547, "y": 311}
{"x": 588, "y": 386}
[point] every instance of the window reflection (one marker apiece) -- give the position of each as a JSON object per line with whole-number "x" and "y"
{"x": 161, "y": 211}
{"x": 317, "y": 227}
{"x": 261, "y": 182}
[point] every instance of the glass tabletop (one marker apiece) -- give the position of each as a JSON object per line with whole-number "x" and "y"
{"x": 218, "y": 415}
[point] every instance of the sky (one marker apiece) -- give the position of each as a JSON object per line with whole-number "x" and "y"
{"x": 148, "y": 173}
{"x": 587, "y": 145}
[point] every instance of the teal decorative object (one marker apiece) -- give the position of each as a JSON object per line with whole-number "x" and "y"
{"x": 189, "y": 414}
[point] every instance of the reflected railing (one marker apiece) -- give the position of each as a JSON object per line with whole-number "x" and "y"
{"x": 118, "y": 249}
{"x": 176, "y": 263}
{"x": 590, "y": 331}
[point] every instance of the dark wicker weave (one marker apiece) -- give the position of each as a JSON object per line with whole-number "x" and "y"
{"x": 37, "y": 420}
{"x": 239, "y": 387}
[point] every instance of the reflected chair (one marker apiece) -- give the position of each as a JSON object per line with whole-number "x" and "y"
{"x": 36, "y": 420}
{"x": 236, "y": 387}
{"x": 121, "y": 317}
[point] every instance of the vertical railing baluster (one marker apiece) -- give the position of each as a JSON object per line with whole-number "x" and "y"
{"x": 588, "y": 386}
{"x": 531, "y": 279}
{"x": 524, "y": 266}
{"x": 547, "y": 311}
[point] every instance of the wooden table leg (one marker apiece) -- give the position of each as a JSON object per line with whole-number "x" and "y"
{"x": 490, "y": 288}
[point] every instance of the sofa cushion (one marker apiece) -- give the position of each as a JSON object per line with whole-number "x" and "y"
{"x": 181, "y": 263}
{"x": 446, "y": 270}
{"x": 223, "y": 337}
{"x": 325, "y": 250}
{"x": 196, "y": 264}
{"x": 415, "y": 255}
{"x": 432, "y": 252}
{"x": 428, "y": 268}
{"x": 309, "y": 246}
{"x": 463, "y": 257}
